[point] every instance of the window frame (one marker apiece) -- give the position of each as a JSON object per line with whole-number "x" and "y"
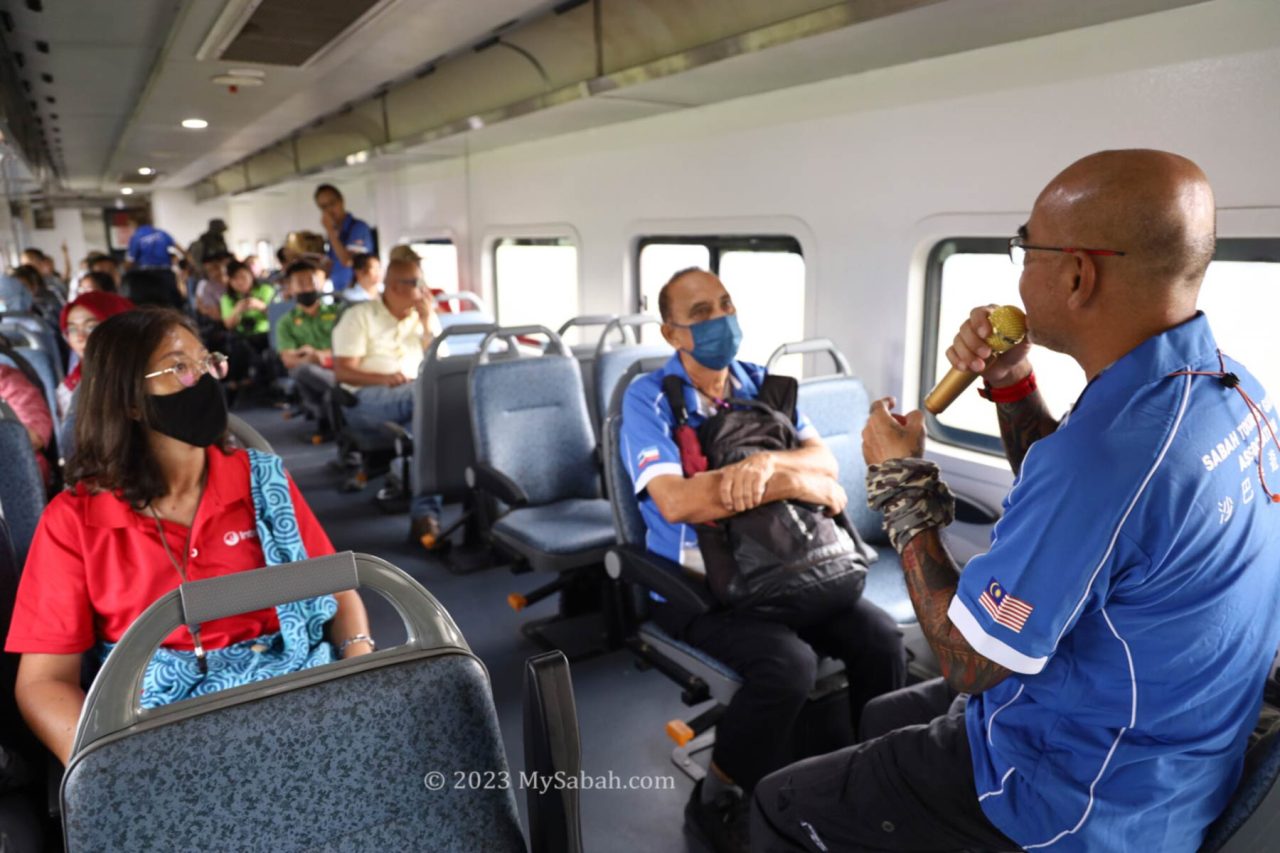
{"x": 1248, "y": 249}
{"x": 533, "y": 239}
{"x": 716, "y": 245}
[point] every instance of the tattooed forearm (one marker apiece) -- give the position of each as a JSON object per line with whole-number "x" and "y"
{"x": 1022, "y": 424}
{"x": 932, "y": 576}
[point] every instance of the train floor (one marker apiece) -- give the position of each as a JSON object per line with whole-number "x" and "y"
{"x": 622, "y": 710}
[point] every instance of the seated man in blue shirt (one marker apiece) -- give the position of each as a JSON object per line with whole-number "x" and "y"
{"x": 777, "y": 663}
{"x": 347, "y": 235}
{"x": 1114, "y": 642}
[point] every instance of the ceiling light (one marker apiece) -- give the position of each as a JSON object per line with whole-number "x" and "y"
{"x": 126, "y": 191}
{"x": 235, "y": 80}
{"x": 247, "y": 72}
{"x": 146, "y": 170}
{"x": 194, "y": 123}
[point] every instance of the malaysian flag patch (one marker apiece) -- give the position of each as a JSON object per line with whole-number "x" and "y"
{"x": 1003, "y": 607}
{"x": 649, "y": 454}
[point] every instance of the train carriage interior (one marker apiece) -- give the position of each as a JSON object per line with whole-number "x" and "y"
{"x": 464, "y": 267}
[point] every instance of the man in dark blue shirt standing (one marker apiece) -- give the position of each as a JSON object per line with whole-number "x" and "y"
{"x": 347, "y": 235}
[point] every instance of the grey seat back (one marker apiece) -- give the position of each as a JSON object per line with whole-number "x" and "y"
{"x": 838, "y": 406}
{"x": 340, "y": 757}
{"x": 529, "y": 420}
{"x": 477, "y": 314}
{"x": 246, "y": 436}
{"x": 276, "y": 309}
{"x": 627, "y": 520}
{"x": 585, "y": 352}
{"x": 612, "y": 359}
{"x": 443, "y": 446}
{"x": 39, "y": 333}
{"x": 22, "y": 496}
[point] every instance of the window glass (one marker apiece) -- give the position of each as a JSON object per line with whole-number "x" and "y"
{"x": 439, "y": 264}
{"x": 660, "y": 261}
{"x": 1241, "y": 292}
{"x": 266, "y": 256}
{"x": 536, "y": 281}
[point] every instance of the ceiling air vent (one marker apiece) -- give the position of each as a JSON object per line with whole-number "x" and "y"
{"x": 286, "y": 32}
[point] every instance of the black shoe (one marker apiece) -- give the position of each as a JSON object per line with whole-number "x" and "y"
{"x": 721, "y": 826}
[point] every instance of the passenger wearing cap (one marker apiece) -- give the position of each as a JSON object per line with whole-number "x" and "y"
{"x": 157, "y": 498}
{"x": 77, "y": 321}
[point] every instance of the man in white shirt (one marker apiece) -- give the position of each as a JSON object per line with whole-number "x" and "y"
{"x": 377, "y": 348}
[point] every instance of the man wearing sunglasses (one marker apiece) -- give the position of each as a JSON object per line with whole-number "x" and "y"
{"x": 1104, "y": 662}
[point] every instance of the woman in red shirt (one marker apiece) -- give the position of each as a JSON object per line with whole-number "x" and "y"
{"x": 154, "y": 497}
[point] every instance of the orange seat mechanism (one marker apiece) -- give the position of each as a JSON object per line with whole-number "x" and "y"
{"x": 515, "y": 600}
{"x": 679, "y": 731}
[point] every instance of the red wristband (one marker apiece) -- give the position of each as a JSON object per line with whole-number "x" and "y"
{"x": 1010, "y": 393}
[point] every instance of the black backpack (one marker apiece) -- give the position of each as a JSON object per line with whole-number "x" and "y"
{"x": 785, "y": 561}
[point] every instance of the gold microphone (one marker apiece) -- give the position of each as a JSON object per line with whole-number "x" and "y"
{"x": 1008, "y": 327}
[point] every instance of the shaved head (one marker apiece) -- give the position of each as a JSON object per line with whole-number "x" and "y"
{"x": 1154, "y": 206}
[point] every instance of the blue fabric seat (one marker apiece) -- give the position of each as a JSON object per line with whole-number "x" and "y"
{"x": 612, "y": 360}
{"x": 278, "y": 765}
{"x": 535, "y": 452}
{"x": 22, "y": 495}
{"x": 565, "y": 527}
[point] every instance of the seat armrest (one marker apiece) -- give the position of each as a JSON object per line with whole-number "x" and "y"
{"x": 552, "y": 750}
{"x": 663, "y": 576}
{"x": 499, "y": 485}
{"x": 343, "y": 397}
{"x": 404, "y": 438}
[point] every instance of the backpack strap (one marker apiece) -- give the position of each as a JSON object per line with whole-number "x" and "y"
{"x": 673, "y": 388}
{"x": 692, "y": 459}
{"x": 779, "y": 392}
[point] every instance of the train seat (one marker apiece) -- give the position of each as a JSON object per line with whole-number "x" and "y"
{"x": 612, "y": 360}
{"x": 22, "y": 494}
{"x": 280, "y": 762}
{"x": 476, "y": 314}
{"x": 535, "y": 454}
{"x": 586, "y": 350}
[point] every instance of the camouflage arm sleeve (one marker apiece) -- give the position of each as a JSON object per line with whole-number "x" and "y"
{"x": 911, "y": 496}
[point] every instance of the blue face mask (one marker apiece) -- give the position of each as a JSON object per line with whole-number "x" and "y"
{"x": 715, "y": 342}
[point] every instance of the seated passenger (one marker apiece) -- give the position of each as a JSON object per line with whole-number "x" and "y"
{"x": 244, "y": 315}
{"x": 44, "y": 265}
{"x": 1105, "y": 660}
{"x": 44, "y": 301}
{"x": 304, "y": 339}
{"x": 14, "y": 296}
{"x": 212, "y": 287}
{"x": 91, "y": 282}
{"x": 377, "y": 349}
{"x": 367, "y": 272}
{"x": 102, "y": 262}
{"x": 28, "y": 402}
{"x": 78, "y": 320}
{"x": 156, "y": 499}
{"x": 777, "y": 662}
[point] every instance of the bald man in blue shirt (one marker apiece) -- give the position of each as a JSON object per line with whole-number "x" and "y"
{"x": 1104, "y": 661}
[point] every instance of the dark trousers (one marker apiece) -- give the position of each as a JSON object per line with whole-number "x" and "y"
{"x": 907, "y": 786}
{"x": 778, "y": 664}
{"x": 245, "y": 352}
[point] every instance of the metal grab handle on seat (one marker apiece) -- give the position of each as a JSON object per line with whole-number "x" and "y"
{"x": 627, "y": 326}
{"x": 809, "y": 346}
{"x": 112, "y": 702}
{"x": 512, "y": 332}
{"x": 433, "y": 351}
{"x": 586, "y": 320}
{"x": 463, "y": 296}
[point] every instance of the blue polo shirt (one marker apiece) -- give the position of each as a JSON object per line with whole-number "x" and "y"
{"x": 149, "y": 247}
{"x": 1133, "y": 587}
{"x": 357, "y": 237}
{"x": 649, "y": 451}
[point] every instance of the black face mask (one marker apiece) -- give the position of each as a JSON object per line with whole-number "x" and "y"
{"x": 195, "y": 415}
{"x": 308, "y": 299}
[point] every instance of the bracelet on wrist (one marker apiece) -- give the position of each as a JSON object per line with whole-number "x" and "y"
{"x": 358, "y": 638}
{"x": 1010, "y": 393}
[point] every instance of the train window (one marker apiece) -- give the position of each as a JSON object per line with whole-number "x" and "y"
{"x": 1239, "y": 295}
{"x": 765, "y": 275}
{"x": 535, "y": 280}
{"x": 266, "y": 256}
{"x": 439, "y": 263}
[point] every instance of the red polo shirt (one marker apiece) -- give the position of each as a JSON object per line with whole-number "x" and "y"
{"x": 95, "y": 564}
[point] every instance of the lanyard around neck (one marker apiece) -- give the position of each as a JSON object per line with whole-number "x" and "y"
{"x": 181, "y": 569}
